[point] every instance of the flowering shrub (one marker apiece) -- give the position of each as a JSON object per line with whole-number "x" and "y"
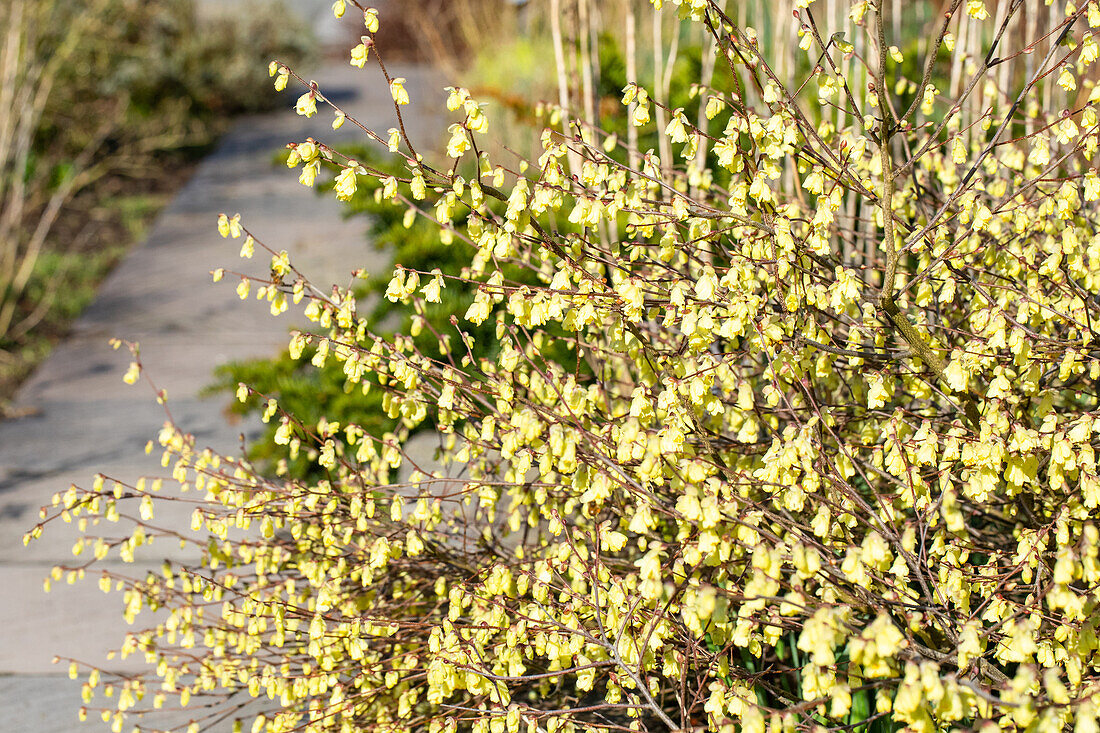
{"x": 819, "y": 453}
{"x": 309, "y": 392}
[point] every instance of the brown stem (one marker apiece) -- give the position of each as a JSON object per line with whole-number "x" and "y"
{"x": 888, "y": 306}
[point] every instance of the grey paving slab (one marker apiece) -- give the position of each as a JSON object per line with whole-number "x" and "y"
{"x": 315, "y": 14}
{"x": 80, "y": 418}
{"x": 73, "y": 621}
{"x": 43, "y": 704}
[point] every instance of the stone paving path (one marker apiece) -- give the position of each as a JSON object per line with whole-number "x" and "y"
{"x": 82, "y": 419}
